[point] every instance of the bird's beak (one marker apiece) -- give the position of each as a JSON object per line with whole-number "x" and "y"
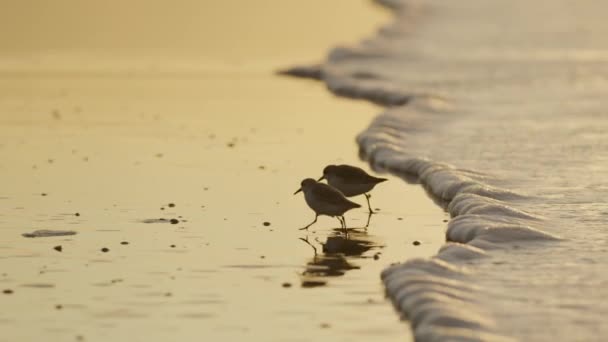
{"x": 300, "y": 189}
{"x": 320, "y": 179}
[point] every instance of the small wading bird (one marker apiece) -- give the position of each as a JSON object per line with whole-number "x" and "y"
{"x": 325, "y": 200}
{"x": 351, "y": 181}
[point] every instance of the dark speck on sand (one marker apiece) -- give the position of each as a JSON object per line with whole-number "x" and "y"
{"x": 48, "y": 233}
{"x": 286, "y": 285}
{"x": 77, "y": 214}
{"x": 266, "y": 223}
{"x": 105, "y": 249}
{"x": 58, "y": 248}
{"x": 7, "y": 291}
{"x": 124, "y": 243}
{"x": 416, "y": 243}
{"x": 174, "y": 221}
{"x": 171, "y": 205}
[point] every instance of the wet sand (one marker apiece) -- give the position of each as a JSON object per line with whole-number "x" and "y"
{"x": 218, "y": 145}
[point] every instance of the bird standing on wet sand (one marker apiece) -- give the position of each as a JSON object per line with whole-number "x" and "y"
{"x": 325, "y": 200}
{"x": 351, "y": 181}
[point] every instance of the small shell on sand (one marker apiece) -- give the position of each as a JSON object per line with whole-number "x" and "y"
{"x": 48, "y": 233}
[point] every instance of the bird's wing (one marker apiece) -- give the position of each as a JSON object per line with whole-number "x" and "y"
{"x": 329, "y": 194}
{"x": 355, "y": 175}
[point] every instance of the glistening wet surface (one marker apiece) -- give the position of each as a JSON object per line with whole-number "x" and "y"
{"x": 179, "y": 188}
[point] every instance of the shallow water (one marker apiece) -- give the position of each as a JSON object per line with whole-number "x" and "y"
{"x": 115, "y": 150}
{"x": 504, "y": 121}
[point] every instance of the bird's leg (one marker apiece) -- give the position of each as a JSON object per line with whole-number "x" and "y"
{"x": 369, "y": 218}
{"x": 344, "y": 226}
{"x": 341, "y": 223}
{"x": 369, "y": 206}
{"x": 311, "y": 223}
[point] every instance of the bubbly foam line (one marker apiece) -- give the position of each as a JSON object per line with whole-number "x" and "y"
{"x": 436, "y": 295}
{"x": 425, "y": 291}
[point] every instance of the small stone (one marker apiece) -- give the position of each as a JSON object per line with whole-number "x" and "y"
{"x": 168, "y": 294}
{"x": 376, "y": 256}
{"x": 58, "y": 306}
{"x": 445, "y": 220}
{"x": 266, "y": 223}
{"x": 43, "y": 194}
{"x": 262, "y": 167}
{"x": 262, "y": 257}
{"x": 286, "y": 285}
{"x": 8, "y": 291}
{"x": 124, "y": 242}
{"x": 400, "y": 218}
{"x": 416, "y": 243}
{"x": 162, "y": 208}
{"x": 230, "y": 144}
{"x": 171, "y": 205}
{"x": 58, "y": 248}
{"x": 105, "y": 250}
{"x": 77, "y": 214}
{"x": 174, "y": 221}
{"x": 172, "y": 246}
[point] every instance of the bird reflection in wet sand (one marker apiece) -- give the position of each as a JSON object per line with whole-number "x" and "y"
{"x": 335, "y": 259}
{"x": 325, "y": 200}
{"x": 351, "y": 181}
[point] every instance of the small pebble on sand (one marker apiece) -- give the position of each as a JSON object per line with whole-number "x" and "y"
{"x": 124, "y": 243}
{"x": 171, "y": 205}
{"x": 58, "y": 248}
{"x": 172, "y": 246}
{"x": 7, "y": 291}
{"x": 286, "y": 285}
{"x": 174, "y": 221}
{"x": 105, "y": 250}
{"x": 77, "y": 214}
{"x": 58, "y": 306}
{"x": 266, "y": 223}
{"x": 416, "y": 243}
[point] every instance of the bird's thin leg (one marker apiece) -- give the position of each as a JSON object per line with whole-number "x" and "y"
{"x": 369, "y": 206}
{"x": 344, "y": 226}
{"x": 311, "y": 223}
{"x": 369, "y": 218}
{"x": 341, "y": 223}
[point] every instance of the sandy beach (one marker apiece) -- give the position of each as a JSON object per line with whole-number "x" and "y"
{"x": 172, "y": 149}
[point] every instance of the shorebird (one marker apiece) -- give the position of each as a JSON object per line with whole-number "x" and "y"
{"x": 351, "y": 181}
{"x": 325, "y": 200}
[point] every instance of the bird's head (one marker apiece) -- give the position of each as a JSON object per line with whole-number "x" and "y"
{"x": 328, "y": 170}
{"x": 305, "y": 184}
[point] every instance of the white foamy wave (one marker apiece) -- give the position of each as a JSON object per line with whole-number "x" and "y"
{"x": 438, "y": 301}
{"x": 437, "y": 295}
